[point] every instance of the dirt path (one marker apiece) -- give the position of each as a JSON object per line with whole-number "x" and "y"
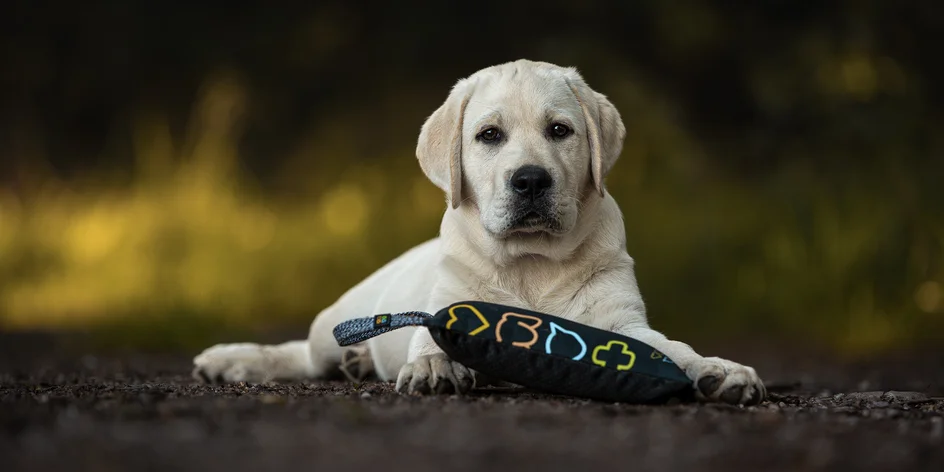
{"x": 60, "y": 411}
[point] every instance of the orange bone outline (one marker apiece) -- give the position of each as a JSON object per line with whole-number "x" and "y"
{"x": 528, "y": 344}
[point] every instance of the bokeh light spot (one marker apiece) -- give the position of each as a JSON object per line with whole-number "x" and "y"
{"x": 344, "y": 210}
{"x": 928, "y": 296}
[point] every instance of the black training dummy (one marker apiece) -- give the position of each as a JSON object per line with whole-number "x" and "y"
{"x": 538, "y": 351}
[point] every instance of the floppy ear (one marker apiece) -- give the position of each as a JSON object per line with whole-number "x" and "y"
{"x": 605, "y": 130}
{"x": 439, "y": 149}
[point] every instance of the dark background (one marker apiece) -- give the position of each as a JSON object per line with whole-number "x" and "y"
{"x": 173, "y": 173}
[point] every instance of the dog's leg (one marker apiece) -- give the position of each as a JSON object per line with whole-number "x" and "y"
{"x": 316, "y": 358}
{"x": 254, "y": 363}
{"x": 716, "y": 379}
{"x": 430, "y": 370}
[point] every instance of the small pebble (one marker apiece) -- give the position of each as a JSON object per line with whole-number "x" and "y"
{"x": 864, "y": 396}
{"x": 366, "y": 395}
{"x": 904, "y": 397}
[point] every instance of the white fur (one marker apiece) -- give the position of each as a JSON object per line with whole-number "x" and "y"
{"x": 578, "y": 269}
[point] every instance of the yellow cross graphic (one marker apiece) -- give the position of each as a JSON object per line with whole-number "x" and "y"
{"x": 607, "y": 347}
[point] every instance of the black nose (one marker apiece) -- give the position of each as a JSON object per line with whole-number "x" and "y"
{"x": 531, "y": 181}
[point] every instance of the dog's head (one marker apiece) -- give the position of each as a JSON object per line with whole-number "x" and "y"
{"x": 523, "y": 143}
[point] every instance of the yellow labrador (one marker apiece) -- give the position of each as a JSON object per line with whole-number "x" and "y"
{"x": 521, "y": 150}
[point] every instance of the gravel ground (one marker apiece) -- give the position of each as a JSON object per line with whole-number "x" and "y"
{"x": 64, "y": 410}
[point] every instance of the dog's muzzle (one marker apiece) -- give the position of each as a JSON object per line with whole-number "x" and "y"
{"x": 532, "y": 207}
{"x": 534, "y": 216}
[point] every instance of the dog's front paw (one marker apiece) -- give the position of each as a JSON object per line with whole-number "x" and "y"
{"x": 434, "y": 373}
{"x": 721, "y": 380}
{"x": 241, "y": 362}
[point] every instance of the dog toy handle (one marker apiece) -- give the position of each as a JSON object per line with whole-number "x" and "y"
{"x": 362, "y": 329}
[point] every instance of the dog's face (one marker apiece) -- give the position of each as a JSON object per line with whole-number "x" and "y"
{"x": 523, "y": 143}
{"x": 522, "y": 156}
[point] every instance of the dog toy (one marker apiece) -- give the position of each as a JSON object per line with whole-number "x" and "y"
{"x": 538, "y": 351}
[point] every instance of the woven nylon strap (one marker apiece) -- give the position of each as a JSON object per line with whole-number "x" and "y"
{"x": 362, "y": 329}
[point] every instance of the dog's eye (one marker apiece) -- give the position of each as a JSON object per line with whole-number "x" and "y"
{"x": 489, "y": 135}
{"x": 558, "y": 130}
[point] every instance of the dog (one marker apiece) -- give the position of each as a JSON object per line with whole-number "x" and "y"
{"x": 521, "y": 151}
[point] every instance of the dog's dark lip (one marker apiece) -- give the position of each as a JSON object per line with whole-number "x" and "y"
{"x": 533, "y": 224}
{"x": 532, "y": 217}
{"x": 530, "y": 220}
{"x": 529, "y": 230}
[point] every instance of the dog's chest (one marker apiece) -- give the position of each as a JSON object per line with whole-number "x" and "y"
{"x": 555, "y": 294}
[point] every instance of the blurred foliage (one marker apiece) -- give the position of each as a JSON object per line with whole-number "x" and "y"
{"x": 169, "y": 173}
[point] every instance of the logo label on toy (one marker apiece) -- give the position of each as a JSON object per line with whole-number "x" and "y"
{"x": 656, "y": 355}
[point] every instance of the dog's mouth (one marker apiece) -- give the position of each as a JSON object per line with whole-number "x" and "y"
{"x": 534, "y": 222}
{"x": 530, "y": 221}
